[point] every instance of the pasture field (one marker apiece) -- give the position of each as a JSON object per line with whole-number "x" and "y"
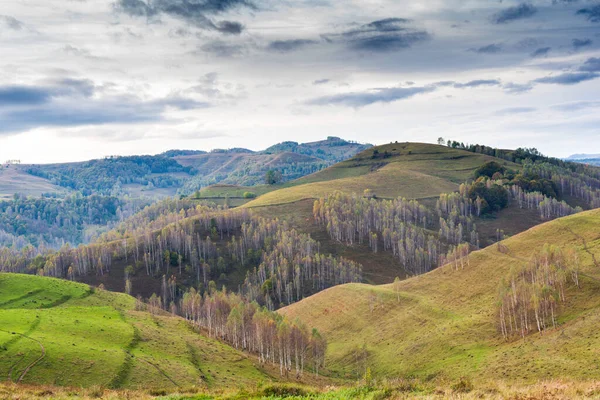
{"x": 444, "y": 324}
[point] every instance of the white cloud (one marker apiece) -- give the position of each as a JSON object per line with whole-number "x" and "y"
{"x": 259, "y": 96}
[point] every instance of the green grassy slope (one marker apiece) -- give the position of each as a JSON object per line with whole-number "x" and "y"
{"x": 63, "y": 333}
{"x": 444, "y": 323}
{"x": 411, "y": 170}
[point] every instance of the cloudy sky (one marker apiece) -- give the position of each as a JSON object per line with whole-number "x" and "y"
{"x": 83, "y": 79}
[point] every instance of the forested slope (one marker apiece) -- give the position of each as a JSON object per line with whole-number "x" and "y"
{"x": 462, "y": 319}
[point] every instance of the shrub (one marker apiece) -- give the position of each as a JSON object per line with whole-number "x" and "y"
{"x": 284, "y": 391}
{"x": 464, "y": 385}
{"x": 489, "y": 169}
{"x": 249, "y": 195}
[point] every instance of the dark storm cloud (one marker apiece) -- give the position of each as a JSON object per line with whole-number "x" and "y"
{"x": 71, "y": 102}
{"x": 11, "y": 22}
{"x": 361, "y": 99}
{"x": 591, "y": 65}
{"x": 511, "y": 14}
{"x": 592, "y": 13}
{"x": 196, "y": 12}
{"x": 541, "y": 52}
{"x": 285, "y": 46}
{"x": 569, "y": 78}
{"x": 489, "y": 49}
{"x": 579, "y": 43}
{"x": 385, "y": 35}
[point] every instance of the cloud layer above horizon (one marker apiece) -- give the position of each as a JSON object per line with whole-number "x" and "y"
{"x": 82, "y": 78}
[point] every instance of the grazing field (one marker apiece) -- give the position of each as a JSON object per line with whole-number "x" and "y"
{"x": 410, "y": 170}
{"x": 63, "y": 333}
{"x": 444, "y": 324}
{"x": 13, "y": 179}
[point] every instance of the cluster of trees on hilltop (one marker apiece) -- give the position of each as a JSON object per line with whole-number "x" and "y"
{"x": 53, "y": 222}
{"x": 246, "y": 326}
{"x": 530, "y": 295}
{"x": 540, "y": 185}
{"x": 106, "y": 176}
{"x": 526, "y": 155}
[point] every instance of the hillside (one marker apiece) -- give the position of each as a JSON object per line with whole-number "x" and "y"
{"x": 52, "y": 326}
{"x": 444, "y": 324}
{"x": 411, "y": 170}
{"x": 14, "y": 179}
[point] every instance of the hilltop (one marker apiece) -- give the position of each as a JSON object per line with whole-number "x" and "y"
{"x": 411, "y": 170}
{"x": 444, "y": 324}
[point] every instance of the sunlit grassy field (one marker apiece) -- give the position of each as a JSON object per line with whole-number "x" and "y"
{"x": 63, "y": 333}
{"x": 411, "y": 170}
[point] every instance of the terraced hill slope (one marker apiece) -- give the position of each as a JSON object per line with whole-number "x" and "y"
{"x": 445, "y": 323}
{"x": 63, "y": 333}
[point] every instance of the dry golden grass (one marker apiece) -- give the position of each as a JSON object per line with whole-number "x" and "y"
{"x": 411, "y": 170}
{"x": 444, "y": 323}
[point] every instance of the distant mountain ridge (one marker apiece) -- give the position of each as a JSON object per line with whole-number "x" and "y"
{"x": 576, "y": 157}
{"x": 175, "y": 171}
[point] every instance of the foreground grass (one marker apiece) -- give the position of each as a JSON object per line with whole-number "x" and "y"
{"x": 394, "y": 389}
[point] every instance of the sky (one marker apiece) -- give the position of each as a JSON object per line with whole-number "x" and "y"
{"x": 82, "y": 79}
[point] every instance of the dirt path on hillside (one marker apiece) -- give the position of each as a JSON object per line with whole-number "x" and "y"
{"x": 32, "y": 364}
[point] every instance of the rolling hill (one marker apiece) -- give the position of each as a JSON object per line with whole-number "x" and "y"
{"x": 445, "y": 324}
{"x": 411, "y": 170}
{"x": 436, "y": 328}
{"x": 68, "y": 334}
{"x": 14, "y": 179}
